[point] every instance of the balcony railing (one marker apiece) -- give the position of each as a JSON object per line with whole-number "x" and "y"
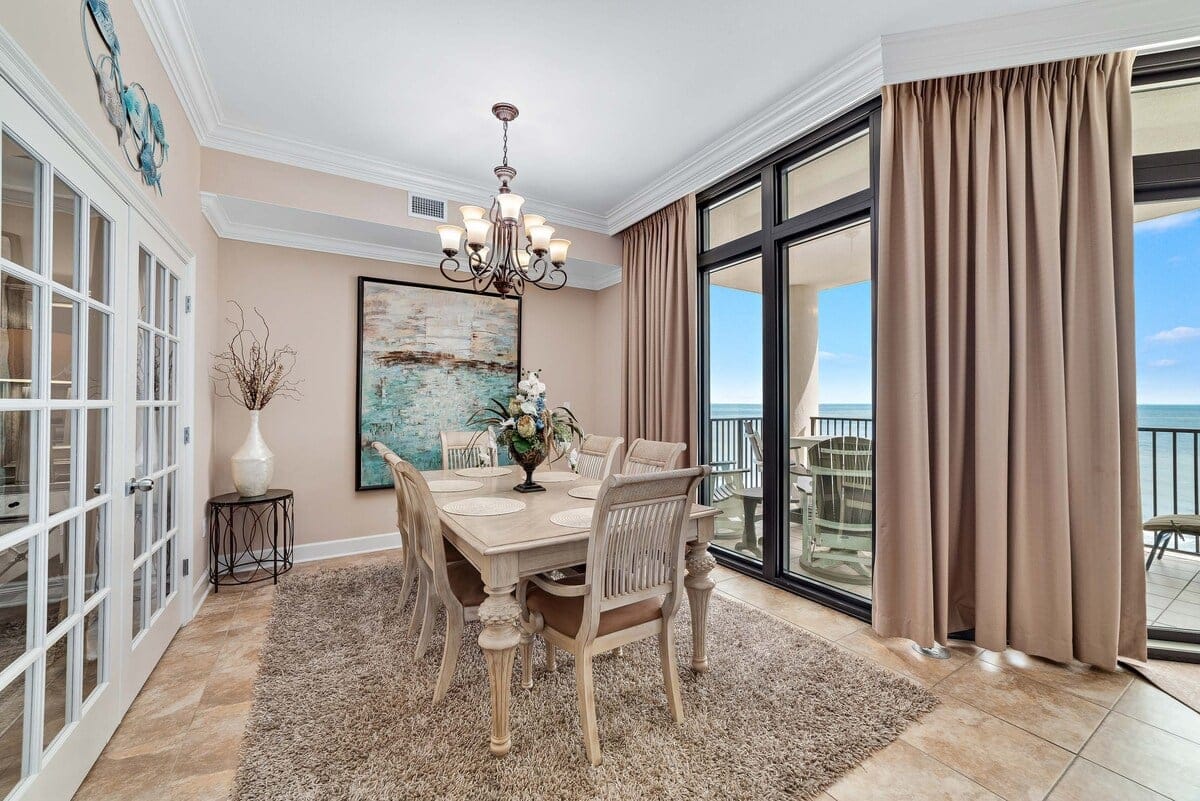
{"x": 1169, "y": 462}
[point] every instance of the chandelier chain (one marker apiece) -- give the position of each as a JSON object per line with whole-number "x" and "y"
{"x": 505, "y": 143}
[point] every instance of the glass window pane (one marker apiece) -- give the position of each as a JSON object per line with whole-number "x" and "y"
{"x": 169, "y": 501}
{"x": 18, "y": 315}
{"x": 139, "y": 442}
{"x": 98, "y": 333}
{"x": 64, "y": 233}
{"x": 160, "y": 300}
{"x": 97, "y": 453}
{"x": 17, "y": 483}
{"x": 173, "y": 317}
{"x": 62, "y": 460}
{"x": 59, "y": 574}
{"x": 56, "y": 689}
{"x": 169, "y": 435}
{"x": 100, "y": 250}
{"x": 830, "y": 514}
{"x": 171, "y": 351}
{"x": 155, "y": 585}
{"x": 138, "y": 610}
{"x": 1166, "y": 118}
{"x": 157, "y": 368}
{"x": 141, "y": 522}
{"x": 12, "y": 732}
{"x": 94, "y": 544}
{"x": 155, "y": 443}
{"x": 156, "y": 520}
{"x": 145, "y": 278}
{"x": 20, "y": 197}
{"x": 64, "y": 322}
{"x": 143, "y": 364}
{"x": 93, "y": 649}
{"x": 830, "y": 175}
{"x": 731, "y": 217}
{"x": 14, "y": 616}
{"x": 169, "y": 568}
{"x": 735, "y": 320}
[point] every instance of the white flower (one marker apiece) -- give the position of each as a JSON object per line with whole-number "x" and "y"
{"x": 539, "y": 388}
{"x": 573, "y": 458}
{"x": 529, "y": 407}
{"x": 509, "y": 423}
{"x": 485, "y": 456}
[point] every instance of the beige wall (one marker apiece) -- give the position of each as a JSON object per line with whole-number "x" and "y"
{"x": 49, "y": 32}
{"x": 310, "y": 301}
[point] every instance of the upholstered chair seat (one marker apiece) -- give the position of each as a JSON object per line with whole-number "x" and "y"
{"x": 465, "y": 582}
{"x": 565, "y": 614}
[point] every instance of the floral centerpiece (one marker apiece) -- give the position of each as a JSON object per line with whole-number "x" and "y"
{"x": 530, "y": 429}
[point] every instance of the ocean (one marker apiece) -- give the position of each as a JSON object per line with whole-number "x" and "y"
{"x": 1174, "y": 455}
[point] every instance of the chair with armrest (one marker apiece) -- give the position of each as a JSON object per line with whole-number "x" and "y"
{"x": 597, "y": 455}
{"x": 840, "y": 519}
{"x": 461, "y": 449}
{"x": 649, "y": 456}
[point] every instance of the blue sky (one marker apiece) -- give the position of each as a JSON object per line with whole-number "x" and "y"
{"x": 1167, "y": 300}
{"x": 1166, "y": 296}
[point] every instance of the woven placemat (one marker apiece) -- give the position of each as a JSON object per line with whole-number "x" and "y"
{"x": 484, "y": 507}
{"x": 483, "y": 472}
{"x": 588, "y": 491}
{"x": 555, "y": 476}
{"x": 573, "y": 518}
{"x": 453, "y": 485}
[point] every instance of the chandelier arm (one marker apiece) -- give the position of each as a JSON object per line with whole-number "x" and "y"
{"x": 450, "y": 275}
{"x": 550, "y": 287}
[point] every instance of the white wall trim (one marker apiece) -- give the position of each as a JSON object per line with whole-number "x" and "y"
{"x": 18, "y": 69}
{"x": 1081, "y": 28}
{"x": 595, "y": 276}
{"x": 200, "y": 591}
{"x": 313, "y": 552}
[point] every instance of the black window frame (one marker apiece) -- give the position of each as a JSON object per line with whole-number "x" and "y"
{"x": 771, "y": 241}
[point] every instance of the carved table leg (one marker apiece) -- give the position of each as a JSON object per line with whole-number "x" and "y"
{"x": 499, "y": 638}
{"x": 699, "y": 588}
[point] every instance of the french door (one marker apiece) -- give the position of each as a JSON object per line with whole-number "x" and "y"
{"x": 88, "y": 573}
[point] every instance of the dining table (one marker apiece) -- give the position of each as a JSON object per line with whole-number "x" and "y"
{"x": 507, "y": 548}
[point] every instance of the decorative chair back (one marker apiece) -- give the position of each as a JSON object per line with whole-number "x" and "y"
{"x": 636, "y": 546}
{"x": 426, "y": 528}
{"x": 648, "y": 456}
{"x": 462, "y": 449}
{"x": 756, "y": 446}
{"x": 597, "y": 455}
{"x": 841, "y": 484}
{"x": 401, "y": 499}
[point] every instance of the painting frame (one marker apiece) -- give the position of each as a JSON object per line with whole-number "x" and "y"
{"x": 363, "y": 282}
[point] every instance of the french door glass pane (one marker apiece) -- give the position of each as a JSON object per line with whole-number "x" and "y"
{"x": 97, "y": 453}
{"x": 19, "y": 481}
{"x": 99, "y": 254}
{"x": 98, "y": 332}
{"x": 1166, "y": 297}
{"x": 18, "y": 325}
{"x": 734, "y": 402}
{"x": 20, "y": 200}
{"x": 59, "y": 574}
{"x": 57, "y": 676}
{"x": 731, "y": 217}
{"x": 14, "y": 616}
{"x": 93, "y": 638}
{"x": 64, "y": 232}
{"x": 62, "y": 460}
{"x": 835, "y": 173}
{"x": 830, "y": 513}
{"x": 94, "y": 552}
{"x": 138, "y": 610}
{"x": 145, "y": 279}
{"x": 64, "y": 320}
{"x": 12, "y": 731}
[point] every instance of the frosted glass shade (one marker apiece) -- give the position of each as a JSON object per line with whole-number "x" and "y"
{"x": 451, "y": 236}
{"x": 510, "y": 205}
{"x": 471, "y": 212}
{"x": 539, "y": 237}
{"x": 531, "y": 220}
{"x": 477, "y": 231}
{"x": 558, "y": 250}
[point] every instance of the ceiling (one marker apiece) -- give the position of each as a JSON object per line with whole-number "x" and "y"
{"x": 613, "y": 96}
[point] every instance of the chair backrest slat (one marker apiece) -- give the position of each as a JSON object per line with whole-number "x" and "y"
{"x": 636, "y": 546}
{"x": 648, "y": 456}
{"x": 426, "y": 527}
{"x": 597, "y": 455}
{"x": 842, "y": 474}
{"x": 462, "y": 449}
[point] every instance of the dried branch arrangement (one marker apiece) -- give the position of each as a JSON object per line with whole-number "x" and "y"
{"x": 249, "y": 371}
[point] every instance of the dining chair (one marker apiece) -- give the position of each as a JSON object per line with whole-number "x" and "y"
{"x": 461, "y": 449}
{"x": 648, "y": 456}
{"x": 406, "y": 543}
{"x": 630, "y": 590}
{"x": 597, "y": 455}
{"x": 457, "y": 586}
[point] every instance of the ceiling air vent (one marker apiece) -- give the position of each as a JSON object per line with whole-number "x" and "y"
{"x": 426, "y": 208}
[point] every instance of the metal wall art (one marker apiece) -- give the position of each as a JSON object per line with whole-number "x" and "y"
{"x": 139, "y": 124}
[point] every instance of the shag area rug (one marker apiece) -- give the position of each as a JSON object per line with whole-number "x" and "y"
{"x": 343, "y": 710}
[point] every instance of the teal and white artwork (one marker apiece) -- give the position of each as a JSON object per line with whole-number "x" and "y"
{"x": 428, "y": 358}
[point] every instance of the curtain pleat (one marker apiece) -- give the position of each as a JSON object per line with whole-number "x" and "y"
{"x": 658, "y": 310}
{"x": 1007, "y": 488}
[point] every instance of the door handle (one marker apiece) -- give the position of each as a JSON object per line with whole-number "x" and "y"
{"x": 138, "y": 485}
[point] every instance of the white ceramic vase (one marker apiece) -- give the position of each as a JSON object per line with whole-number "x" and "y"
{"x": 253, "y": 464}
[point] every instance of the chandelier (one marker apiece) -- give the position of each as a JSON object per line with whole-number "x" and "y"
{"x": 505, "y": 249}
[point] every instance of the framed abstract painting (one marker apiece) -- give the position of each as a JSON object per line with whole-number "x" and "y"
{"x": 428, "y": 357}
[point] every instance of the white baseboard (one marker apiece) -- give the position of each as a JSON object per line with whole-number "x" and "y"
{"x": 312, "y": 552}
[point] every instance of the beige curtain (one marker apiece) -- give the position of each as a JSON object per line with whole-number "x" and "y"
{"x": 658, "y": 312}
{"x": 1007, "y": 495}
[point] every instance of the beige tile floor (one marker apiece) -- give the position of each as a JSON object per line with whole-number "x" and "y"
{"x": 1009, "y": 727}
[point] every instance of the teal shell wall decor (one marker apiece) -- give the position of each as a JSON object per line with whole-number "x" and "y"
{"x": 139, "y": 124}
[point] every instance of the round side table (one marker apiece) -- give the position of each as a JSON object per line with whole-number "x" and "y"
{"x": 251, "y": 535}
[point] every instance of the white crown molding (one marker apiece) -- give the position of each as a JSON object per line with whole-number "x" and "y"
{"x": 581, "y": 274}
{"x": 18, "y": 69}
{"x": 171, "y": 35}
{"x": 852, "y": 81}
{"x": 1088, "y": 27}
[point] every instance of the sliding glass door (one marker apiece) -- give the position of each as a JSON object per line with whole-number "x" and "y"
{"x": 787, "y": 375}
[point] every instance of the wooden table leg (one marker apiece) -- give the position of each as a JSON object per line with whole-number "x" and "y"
{"x": 499, "y": 614}
{"x": 699, "y": 589}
